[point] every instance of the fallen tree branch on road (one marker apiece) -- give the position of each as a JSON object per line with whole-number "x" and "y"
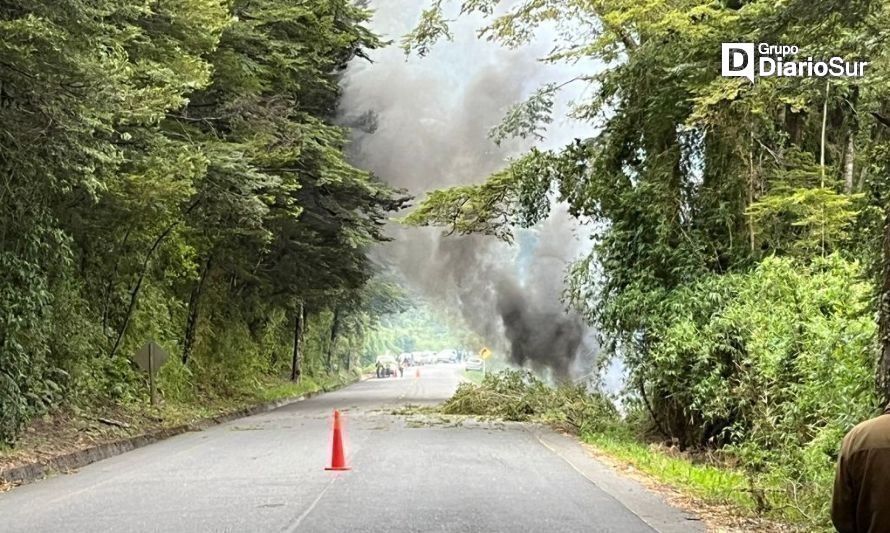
{"x": 516, "y": 395}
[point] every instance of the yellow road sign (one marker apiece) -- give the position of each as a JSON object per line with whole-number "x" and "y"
{"x": 484, "y": 353}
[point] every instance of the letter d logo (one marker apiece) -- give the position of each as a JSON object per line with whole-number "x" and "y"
{"x": 738, "y": 60}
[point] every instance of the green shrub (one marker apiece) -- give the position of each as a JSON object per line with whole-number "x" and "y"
{"x": 176, "y": 382}
{"x": 773, "y": 366}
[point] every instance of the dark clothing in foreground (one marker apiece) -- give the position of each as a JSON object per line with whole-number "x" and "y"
{"x": 861, "y": 501}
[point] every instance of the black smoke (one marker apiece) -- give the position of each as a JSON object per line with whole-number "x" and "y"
{"x": 430, "y": 121}
{"x": 538, "y": 338}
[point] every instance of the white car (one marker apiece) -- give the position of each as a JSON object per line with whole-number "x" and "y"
{"x": 474, "y": 364}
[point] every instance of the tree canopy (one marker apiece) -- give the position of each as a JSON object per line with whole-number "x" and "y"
{"x": 737, "y": 262}
{"x": 173, "y": 171}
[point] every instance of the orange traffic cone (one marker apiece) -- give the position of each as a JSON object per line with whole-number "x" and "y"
{"x": 338, "y": 458}
{"x": 417, "y": 373}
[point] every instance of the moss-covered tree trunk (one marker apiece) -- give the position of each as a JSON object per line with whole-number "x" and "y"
{"x": 884, "y": 316}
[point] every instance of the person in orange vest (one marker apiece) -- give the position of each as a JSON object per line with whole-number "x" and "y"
{"x": 861, "y": 500}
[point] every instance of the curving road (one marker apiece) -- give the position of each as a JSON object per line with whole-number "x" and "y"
{"x": 409, "y": 473}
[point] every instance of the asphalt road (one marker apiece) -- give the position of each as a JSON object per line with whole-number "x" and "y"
{"x": 409, "y": 473}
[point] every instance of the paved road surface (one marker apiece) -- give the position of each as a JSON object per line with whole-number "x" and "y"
{"x": 265, "y": 473}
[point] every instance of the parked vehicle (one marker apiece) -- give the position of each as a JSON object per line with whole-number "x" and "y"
{"x": 474, "y": 364}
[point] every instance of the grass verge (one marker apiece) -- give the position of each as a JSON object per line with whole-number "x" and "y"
{"x": 473, "y": 376}
{"x": 734, "y": 497}
{"x": 75, "y": 429}
{"x": 714, "y": 484}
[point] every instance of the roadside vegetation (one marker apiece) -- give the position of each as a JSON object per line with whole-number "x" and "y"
{"x": 712, "y": 483}
{"x": 75, "y": 427}
{"x": 715, "y": 477}
{"x": 740, "y": 264}
{"x": 420, "y": 327}
{"x": 171, "y": 172}
{"x": 473, "y": 376}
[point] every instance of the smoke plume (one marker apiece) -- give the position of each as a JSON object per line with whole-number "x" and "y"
{"x": 432, "y": 117}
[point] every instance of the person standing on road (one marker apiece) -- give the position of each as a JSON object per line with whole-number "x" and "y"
{"x": 861, "y": 500}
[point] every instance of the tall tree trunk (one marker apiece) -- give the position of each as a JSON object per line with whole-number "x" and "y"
{"x": 751, "y": 230}
{"x": 655, "y": 418}
{"x": 849, "y": 156}
{"x": 335, "y": 329}
{"x": 109, "y": 287}
{"x": 191, "y": 324}
{"x": 296, "y": 367}
{"x": 850, "y": 149}
{"x": 822, "y": 155}
{"x": 884, "y": 316}
{"x": 146, "y": 262}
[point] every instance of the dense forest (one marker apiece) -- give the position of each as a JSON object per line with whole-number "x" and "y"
{"x": 741, "y": 261}
{"x": 420, "y": 327}
{"x": 172, "y": 171}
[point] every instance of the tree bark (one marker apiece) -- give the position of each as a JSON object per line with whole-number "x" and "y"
{"x": 884, "y": 315}
{"x": 191, "y": 324}
{"x": 296, "y": 367}
{"x": 335, "y": 329}
{"x": 849, "y": 156}
{"x": 146, "y": 262}
{"x": 850, "y": 149}
{"x": 751, "y": 230}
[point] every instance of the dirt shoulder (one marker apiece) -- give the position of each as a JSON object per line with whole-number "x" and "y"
{"x": 66, "y": 440}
